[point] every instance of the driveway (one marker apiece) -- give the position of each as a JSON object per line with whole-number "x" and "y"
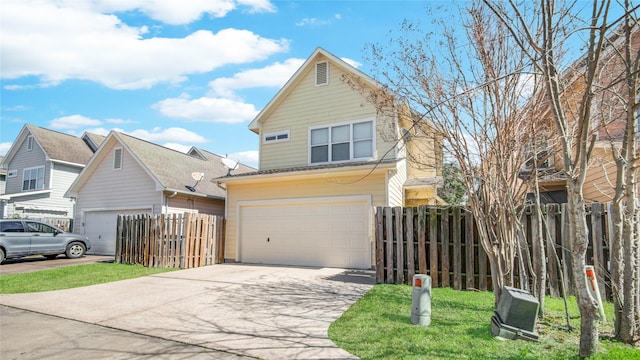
{"x": 268, "y": 312}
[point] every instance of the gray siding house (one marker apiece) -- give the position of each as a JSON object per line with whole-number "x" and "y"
{"x": 128, "y": 175}
{"x": 40, "y": 166}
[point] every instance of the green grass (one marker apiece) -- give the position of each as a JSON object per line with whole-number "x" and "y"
{"x": 72, "y": 276}
{"x": 378, "y": 326}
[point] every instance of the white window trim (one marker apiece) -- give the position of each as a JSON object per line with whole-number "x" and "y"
{"x": 276, "y": 134}
{"x": 114, "y": 158}
{"x": 351, "y": 158}
{"x": 43, "y": 178}
{"x": 316, "y": 73}
{"x": 29, "y": 142}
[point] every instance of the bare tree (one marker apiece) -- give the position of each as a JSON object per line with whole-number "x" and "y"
{"x": 541, "y": 31}
{"x": 618, "y": 111}
{"x": 471, "y": 87}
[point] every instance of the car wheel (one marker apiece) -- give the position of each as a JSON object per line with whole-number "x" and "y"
{"x": 51, "y": 257}
{"x": 1, "y": 256}
{"x": 75, "y": 250}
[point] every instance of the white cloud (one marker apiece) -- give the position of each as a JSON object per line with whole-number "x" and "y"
{"x": 317, "y": 21}
{"x": 182, "y": 12}
{"x": 312, "y": 22}
{"x": 250, "y": 158}
{"x": 56, "y": 42}
{"x": 169, "y": 135}
{"x": 4, "y": 147}
{"x": 275, "y": 75}
{"x": 178, "y": 147}
{"x": 207, "y": 109}
{"x": 73, "y": 122}
{"x": 352, "y": 62}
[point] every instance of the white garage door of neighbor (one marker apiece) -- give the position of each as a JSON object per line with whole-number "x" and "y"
{"x": 100, "y": 227}
{"x": 327, "y": 234}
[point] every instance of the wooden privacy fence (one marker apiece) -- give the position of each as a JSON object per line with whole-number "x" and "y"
{"x": 175, "y": 241}
{"x": 444, "y": 243}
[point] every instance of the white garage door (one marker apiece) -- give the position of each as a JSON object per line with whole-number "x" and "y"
{"x": 317, "y": 233}
{"x": 100, "y": 227}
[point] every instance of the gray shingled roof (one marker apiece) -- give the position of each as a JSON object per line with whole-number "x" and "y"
{"x": 173, "y": 168}
{"x": 310, "y": 168}
{"x": 61, "y": 147}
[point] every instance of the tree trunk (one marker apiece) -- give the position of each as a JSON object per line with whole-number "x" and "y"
{"x": 586, "y": 303}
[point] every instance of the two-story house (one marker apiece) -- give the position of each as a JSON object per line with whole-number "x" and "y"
{"x": 608, "y": 123}
{"x": 328, "y": 157}
{"x": 40, "y": 166}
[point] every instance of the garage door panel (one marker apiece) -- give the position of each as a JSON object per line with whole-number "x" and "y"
{"x": 321, "y": 233}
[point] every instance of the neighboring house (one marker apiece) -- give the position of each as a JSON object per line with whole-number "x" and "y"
{"x": 327, "y": 158}
{"x": 40, "y": 166}
{"x": 128, "y": 175}
{"x": 609, "y": 121}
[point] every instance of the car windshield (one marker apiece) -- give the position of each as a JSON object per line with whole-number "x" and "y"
{"x": 40, "y": 227}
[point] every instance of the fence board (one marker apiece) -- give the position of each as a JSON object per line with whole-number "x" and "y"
{"x": 552, "y": 264}
{"x": 457, "y": 249}
{"x": 389, "y": 248}
{"x": 444, "y": 240}
{"x": 469, "y": 250}
{"x": 433, "y": 246}
{"x": 422, "y": 241}
{"x": 411, "y": 265}
{"x": 397, "y": 212}
{"x": 379, "y": 245}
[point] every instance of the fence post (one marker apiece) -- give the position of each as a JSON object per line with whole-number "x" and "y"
{"x": 379, "y": 245}
{"x": 411, "y": 266}
{"x": 433, "y": 246}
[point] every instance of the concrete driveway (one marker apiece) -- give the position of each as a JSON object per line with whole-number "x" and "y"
{"x": 267, "y": 312}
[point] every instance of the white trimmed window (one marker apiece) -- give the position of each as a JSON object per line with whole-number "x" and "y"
{"x": 322, "y": 73}
{"x": 342, "y": 142}
{"x": 29, "y": 142}
{"x": 33, "y": 179}
{"x": 117, "y": 159}
{"x": 276, "y": 137}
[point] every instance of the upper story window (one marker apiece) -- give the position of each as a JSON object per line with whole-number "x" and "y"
{"x": 29, "y": 142}
{"x": 322, "y": 73}
{"x": 276, "y": 137}
{"x": 117, "y": 159}
{"x": 33, "y": 179}
{"x": 343, "y": 142}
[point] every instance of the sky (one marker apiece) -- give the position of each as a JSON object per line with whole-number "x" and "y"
{"x": 172, "y": 72}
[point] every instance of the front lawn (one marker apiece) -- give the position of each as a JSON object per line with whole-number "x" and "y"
{"x": 73, "y": 276}
{"x": 378, "y": 326}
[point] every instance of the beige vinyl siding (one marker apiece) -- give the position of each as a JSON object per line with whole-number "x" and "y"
{"x": 600, "y": 182}
{"x": 109, "y": 189}
{"x": 396, "y": 182}
{"x": 373, "y": 185}
{"x": 308, "y": 105}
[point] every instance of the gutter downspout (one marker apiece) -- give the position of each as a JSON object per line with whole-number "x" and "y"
{"x": 166, "y": 205}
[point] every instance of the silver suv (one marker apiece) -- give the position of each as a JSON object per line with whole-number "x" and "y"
{"x": 20, "y": 237}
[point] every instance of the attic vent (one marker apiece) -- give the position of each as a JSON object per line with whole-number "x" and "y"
{"x": 29, "y": 142}
{"x": 322, "y": 73}
{"x": 117, "y": 159}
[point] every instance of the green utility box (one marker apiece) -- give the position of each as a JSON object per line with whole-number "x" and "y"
{"x": 516, "y": 315}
